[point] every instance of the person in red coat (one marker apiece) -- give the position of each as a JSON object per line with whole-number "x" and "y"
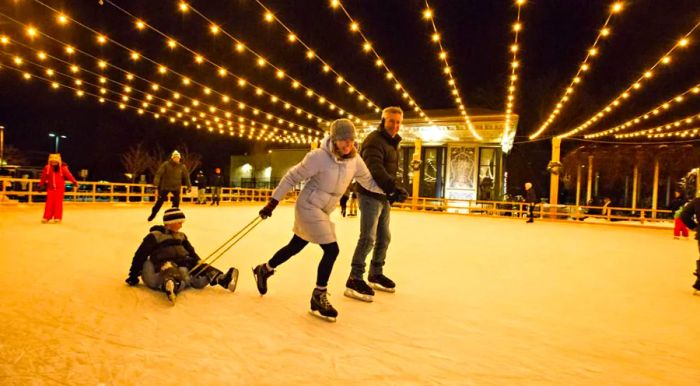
{"x": 54, "y": 177}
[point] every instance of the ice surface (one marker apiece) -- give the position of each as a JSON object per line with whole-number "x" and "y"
{"x": 479, "y": 301}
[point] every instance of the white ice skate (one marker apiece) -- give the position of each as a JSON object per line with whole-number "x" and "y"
{"x": 351, "y": 293}
{"x": 170, "y": 291}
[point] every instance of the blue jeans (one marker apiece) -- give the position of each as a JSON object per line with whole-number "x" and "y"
{"x": 374, "y": 233}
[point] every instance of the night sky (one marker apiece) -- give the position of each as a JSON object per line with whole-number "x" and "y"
{"x": 476, "y": 35}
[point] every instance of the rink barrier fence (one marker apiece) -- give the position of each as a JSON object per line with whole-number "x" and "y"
{"x": 27, "y": 190}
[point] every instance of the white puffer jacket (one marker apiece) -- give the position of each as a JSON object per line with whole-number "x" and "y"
{"x": 328, "y": 177}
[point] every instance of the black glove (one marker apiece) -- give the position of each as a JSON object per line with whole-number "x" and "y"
{"x": 269, "y": 207}
{"x": 132, "y": 280}
{"x": 398, "y": 195}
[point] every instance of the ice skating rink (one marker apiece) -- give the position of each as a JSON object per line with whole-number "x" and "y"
{"x": 480, "y": 301}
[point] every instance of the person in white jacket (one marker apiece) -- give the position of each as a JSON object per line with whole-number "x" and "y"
{"x": 328, "y": 170}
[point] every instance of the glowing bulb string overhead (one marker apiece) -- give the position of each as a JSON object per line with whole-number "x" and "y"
{"x": 692, "y": 119}
{"x": 429, "y": 15}
{"x": 128, "y": 75}
{"x": 162, "y": 69}
{"x": 664, "y": 60}
{"x": 312, "y": 54}
{"x": 379, "y": 62}
{"x": 694, "y": 132}
{"x": 241, "y": 47}
{"x": 514, "y": 66}
{"x": 122, "y": 103}
{"x": 661, "y": 108}
{"x": 603, "y": 32}
{"x": 129, "y": 88}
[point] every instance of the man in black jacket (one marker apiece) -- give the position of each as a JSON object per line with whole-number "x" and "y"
{"x": 692, "y": 209}
{"x": 380, "y": 152}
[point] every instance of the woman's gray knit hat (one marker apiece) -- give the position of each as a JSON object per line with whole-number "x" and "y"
{"x": 342, "y": 129}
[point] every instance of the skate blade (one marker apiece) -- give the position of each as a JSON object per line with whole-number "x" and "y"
{"x": 234, "y": 281}
{"x": 381, "y": 288}
{"x": 356, "y": 295}
{"x": 170, "y": 291}
{"x": 317, "y": 314}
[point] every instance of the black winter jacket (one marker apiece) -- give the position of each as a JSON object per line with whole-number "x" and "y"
{"x": 171, "y": 176}
{"x": 201, "y": 181}
{"x": 160, "y": 246}
{"x": 531, "y": 196}
{"x": 381, "y": 155}
{"x": 217, "y": 180}
{"x": 691, "y": 209}
{"x": 676, "y": 204}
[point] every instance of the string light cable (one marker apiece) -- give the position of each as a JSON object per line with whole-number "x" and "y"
{"x": 692, "y": 119}
{"x": 664, "y": 60}
{"x": 662, "y": 107}
{"x": 240, "y": 47}
{"x": 222, "y": 71}
{"x": 103, "y": 80}
{"x": 379, "y": 62}
{"x": 429, "y": 15}
{"x": 603, "y": 32}
{"x": 312, "y": 54}
{"x": 122, "y": 103}
{"x": 514, "y": 65}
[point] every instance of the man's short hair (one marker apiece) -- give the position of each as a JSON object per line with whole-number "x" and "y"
{"x": 392, "y": 110}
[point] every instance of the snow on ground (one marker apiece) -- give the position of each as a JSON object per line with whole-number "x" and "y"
{"x": 480, "y": 301}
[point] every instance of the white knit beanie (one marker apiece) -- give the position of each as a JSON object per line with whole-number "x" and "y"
{"x": 173, "y": 215}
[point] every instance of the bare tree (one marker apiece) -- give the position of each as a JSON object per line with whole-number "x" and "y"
{"x": 191, "y": 160}
{"x": 14, "y": 156}
{"x": 136, "y": 160}
{"x": 156, "y": 158}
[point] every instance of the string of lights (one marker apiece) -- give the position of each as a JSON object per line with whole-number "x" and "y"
{"x": 662, "y": 107}
{"x": 664, "y": 60}
{"x": 379, "y": 62}
{"x": 694, "y": 132}
{"x": 42, "y": 55}
{"x": 689, "y": 120}
{"x": 163, "y": 70}
{"x": 514, "y": 65}
{"x": 312, "y": 54}
{"x": 124, "y": 102}
{"x": 32, "y": 32}
{"x": 603, "y": 32}
{"x": 240, "y": 47}
{"x": 429, "y": 15}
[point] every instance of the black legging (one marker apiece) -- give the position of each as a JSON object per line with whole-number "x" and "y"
{"x": 330, "y": 252}
{"x": 162, "y": 196}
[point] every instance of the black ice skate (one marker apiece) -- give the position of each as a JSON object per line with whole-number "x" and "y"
{"x": 261, "y": 273}
{"x": 358, "y": 289}
{"x": 229, "y": 280}
{"x": 321, "y": 307}
{"x": 381, "y": 283}
{"x": 169, "y": 288}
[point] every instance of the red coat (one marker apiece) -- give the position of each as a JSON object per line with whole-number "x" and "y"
{"x": 56, "y": 180}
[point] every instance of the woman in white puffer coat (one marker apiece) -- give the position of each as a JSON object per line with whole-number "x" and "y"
{"x": 328, "y": 172}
